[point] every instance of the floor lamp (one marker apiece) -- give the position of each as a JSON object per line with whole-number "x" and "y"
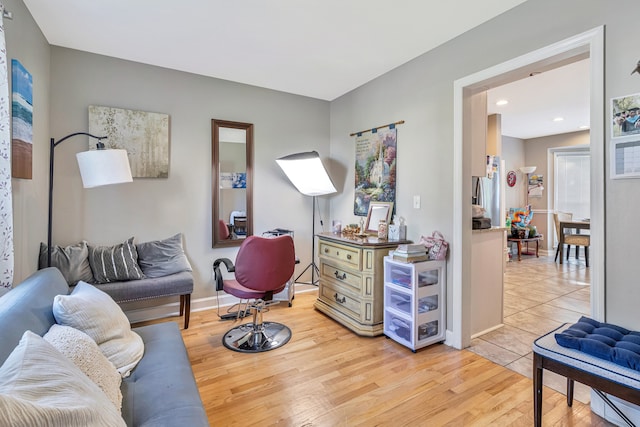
{"x": 308, "y": 175}
{"x": 97, "y": 168}
{"x": 527, "y": 170}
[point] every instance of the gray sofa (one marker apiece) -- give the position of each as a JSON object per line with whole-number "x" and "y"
{"x": 161, "y": 390}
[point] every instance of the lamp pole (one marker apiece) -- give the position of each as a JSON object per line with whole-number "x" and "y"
{"x": 52, "y": 147}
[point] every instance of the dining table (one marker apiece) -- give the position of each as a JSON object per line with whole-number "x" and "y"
{"x": 577, "y": 225}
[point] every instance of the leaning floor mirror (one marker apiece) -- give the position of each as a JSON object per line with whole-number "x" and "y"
{"x": 232, "y": 182}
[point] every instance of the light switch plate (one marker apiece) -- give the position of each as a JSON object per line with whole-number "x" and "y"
{"x": 416, "y": 202}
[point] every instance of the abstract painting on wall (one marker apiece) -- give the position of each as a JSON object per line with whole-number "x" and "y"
{"x": 144, "y": 135}
{"x": 22, "y": 121}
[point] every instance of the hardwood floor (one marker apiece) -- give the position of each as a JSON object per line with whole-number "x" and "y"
{"x": 328, "y": 376}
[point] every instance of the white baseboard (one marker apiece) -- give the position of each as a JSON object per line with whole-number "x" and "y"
{"x": 208, "y": 303}
{"x": 486, "y": 331}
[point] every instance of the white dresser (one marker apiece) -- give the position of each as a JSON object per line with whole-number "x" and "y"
{"x": 351, "y": 285}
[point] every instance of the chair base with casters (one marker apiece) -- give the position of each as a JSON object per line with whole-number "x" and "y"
{"x": 263, "y": 267}
{"x": 257, "y": 336}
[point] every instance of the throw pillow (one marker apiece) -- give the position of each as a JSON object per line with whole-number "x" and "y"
{"x": 93, "y": 312}
{"x": 86, "y": 355}
{"x": 72, "y": 261}
{"x": 163, "y": 257}
{"x": 39, "y": 386}
{"x": 115, "y": 263}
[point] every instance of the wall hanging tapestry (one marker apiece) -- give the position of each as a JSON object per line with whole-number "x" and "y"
{"x": 22, "y": 120}
{"x": 144, "y": 135}
{"x": 375, "y": 173}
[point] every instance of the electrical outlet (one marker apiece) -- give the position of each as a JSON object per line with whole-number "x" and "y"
{"x": 416, "y": 202}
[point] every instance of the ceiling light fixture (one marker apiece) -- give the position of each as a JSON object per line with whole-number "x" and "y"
{"x": 502, "y": 102}
{"x": 558, "y": 119}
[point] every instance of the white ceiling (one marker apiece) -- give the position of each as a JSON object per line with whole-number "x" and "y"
{"x": 317, "y": 48}
{"x": 534, "y": 102}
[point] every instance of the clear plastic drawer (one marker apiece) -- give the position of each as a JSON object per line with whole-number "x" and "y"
{"x": 428, "y": 329}
{"x": 399, "y": 275}
{"x": 398, "y": 300}
{"x": 428, "y": 278}
{"x": 427, "y": 304}
{"x": 398, "y": 327}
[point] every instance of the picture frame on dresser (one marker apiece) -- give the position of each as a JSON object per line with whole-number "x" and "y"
{"x": 376, "y": 212}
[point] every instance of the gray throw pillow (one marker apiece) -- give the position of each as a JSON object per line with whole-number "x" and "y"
{"x": 72, "y": 261}
{"x": 163, "y": 257}
{"x": 117, "y": 263}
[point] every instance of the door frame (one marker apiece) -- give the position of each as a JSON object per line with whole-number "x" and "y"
{"x": 588, "y": 44}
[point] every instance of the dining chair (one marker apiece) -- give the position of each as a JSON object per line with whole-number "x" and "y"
{"x": 574, "y": 239}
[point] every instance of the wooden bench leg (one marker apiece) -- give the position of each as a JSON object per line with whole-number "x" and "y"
{"x": 186, "y": 309}
{"x": 181, "y": 305}
{"x": 537, "y": 390}
{"x": 569, "y": 392}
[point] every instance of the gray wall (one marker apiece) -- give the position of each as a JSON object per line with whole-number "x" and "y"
{"x": 421, "y": 93}
{"x": 157, "y": 208}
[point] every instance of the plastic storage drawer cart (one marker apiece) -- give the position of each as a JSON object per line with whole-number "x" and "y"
{"x": 414, "y": 302}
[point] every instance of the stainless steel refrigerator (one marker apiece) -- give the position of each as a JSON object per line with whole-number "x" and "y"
{"x": 486, "y": 191}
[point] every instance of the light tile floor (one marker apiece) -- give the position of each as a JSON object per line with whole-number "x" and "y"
{"x": 539, "y": 296}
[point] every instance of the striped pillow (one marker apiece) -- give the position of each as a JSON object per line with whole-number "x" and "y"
{"x": 115, "y": 263}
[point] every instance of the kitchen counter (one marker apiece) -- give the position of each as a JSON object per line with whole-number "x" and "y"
{"x": 489, "y": 230}
{"x": 487, "y": 276}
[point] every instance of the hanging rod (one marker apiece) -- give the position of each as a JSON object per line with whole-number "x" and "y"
{"x": 401, "y": 122}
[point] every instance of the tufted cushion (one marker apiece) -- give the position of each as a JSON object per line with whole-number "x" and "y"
{"x": 603, "y": 340}
{"x": 115, "y": 263}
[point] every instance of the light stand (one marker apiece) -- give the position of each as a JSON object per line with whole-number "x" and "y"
{"x": 307, "y": 173}
{"x": 97, "y": 168}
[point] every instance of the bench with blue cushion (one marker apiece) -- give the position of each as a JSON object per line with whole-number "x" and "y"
{"x": 603, "y": 356}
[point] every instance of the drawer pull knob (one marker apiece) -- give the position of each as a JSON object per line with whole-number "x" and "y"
{"x": 340, "y": 300}
{"x": 326, "y": 251}
{"x": 339, "y": 277}
{"x": 348, "y": 256}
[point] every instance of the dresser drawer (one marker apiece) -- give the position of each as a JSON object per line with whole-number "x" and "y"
{"x": 341, "y": 253}
{"x": 348, "y": 304}
{"x": 344, "y": 276}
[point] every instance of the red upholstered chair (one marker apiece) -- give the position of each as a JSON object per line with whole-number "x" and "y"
{"x": 263, "y": 267}
{"x": 223, "y": 229}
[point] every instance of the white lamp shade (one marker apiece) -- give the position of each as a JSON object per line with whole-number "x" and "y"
{"x": 104, "y": 167}
{"x": 307, "y": 174}
{"x": 528, "y": 169}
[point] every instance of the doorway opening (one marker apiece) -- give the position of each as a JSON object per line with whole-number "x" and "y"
{"x": 589, "y": 44}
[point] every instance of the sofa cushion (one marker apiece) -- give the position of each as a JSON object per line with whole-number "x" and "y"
{"x": 39, "y": 386}
{"x": 604, "y": 340}
{"x": 83, "y": 351}
{"x": 161, "y": 390}
{"x": 115, "y": 263}
{"x": 162, "y": 257}
{"x": 96, "y": 314}
{"x": 72, "y": 261}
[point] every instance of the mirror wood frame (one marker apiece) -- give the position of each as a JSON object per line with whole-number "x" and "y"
{"x": 216, "y": 124}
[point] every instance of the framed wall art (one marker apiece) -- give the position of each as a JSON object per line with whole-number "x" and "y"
{"x": 144, "y": 135}
{"x": 22, "y": 121}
